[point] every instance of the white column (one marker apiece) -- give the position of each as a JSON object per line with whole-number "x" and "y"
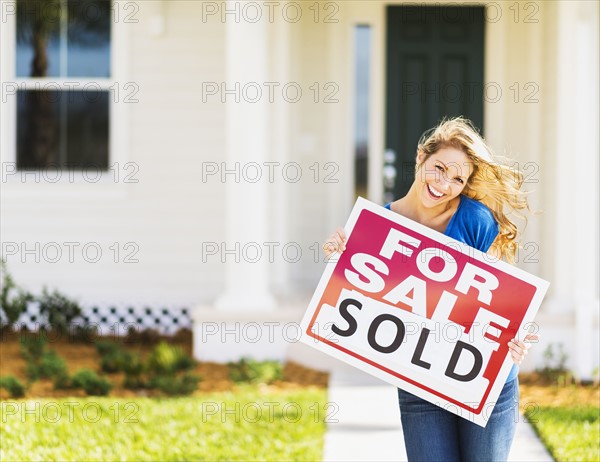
{"x": 575, "y": 187}
{"x": 247, "y": 201}
{"x": 585, "y": 195}
{"x": 565, "y": 172}
{"x": 280, "y": 138}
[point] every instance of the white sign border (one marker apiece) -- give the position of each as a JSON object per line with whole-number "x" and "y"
{"x": 540, "y": 284}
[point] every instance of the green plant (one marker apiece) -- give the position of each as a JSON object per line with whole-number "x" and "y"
{"x": 135, "y": 382}
{"x": 61, "y": 381}
{"x": 59, "y": 309}
{"x": 168, "y": 359}
{"x": 32, "y": 348}
{"x": 175, "y": 385}
{"x": 13, "y": 386}
{"x": 249, "y": 370}
{"x": 554, "y": 369}
{"x": 596, "y": 376}
{"x": 52, "y": 365}
{"x": 133, "y": 372}
{"x": 91, "y": 383}
{"x": 41, "y": 362}
{"x": 114, "y": 358}
{"x": 13, "y": 299}
{"x": 105, "y": 348}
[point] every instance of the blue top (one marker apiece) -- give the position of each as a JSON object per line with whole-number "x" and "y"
{"x": 474, "y": 224}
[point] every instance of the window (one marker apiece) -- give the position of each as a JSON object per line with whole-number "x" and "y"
{"x": 362, "y": 46}
{"x": 63, "y": 78}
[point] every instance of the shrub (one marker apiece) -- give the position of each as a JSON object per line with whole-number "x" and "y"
{"x": 115, "y": 362}
{"x": 59, "y": 309}
{"x": 134, "y": 382}
{"x": 114, "y": 358}
{"x": 554, "y": 369}
{"x": 52, "y": 365}
{"x": 168, "y": 359}
{"x": 41, "y": 362}
{"x": 61, "y": 381}
{"x": 32, "y": 348}
{"x": 175, "y": 385}
{"x": 249, "y": 370}
{"x": 91, "y": 383}
{"x": 13, "y": 386}
{"x": 105, "y": 348}
{"x": 133, "y": 372}
{"x": 13, "y": 299}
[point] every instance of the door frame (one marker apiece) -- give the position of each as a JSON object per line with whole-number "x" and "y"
{"x": 374, "y": 15}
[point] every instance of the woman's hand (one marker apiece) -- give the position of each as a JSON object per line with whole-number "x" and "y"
{"x": 518, "y": 349}
{"x": 335, "y": 243}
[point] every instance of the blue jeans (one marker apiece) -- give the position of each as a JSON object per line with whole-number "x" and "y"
{"x": 434, "y": 434}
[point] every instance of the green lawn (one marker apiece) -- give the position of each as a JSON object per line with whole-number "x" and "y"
{"x": 250, "y": 424}
{"x": 569, "y": 433}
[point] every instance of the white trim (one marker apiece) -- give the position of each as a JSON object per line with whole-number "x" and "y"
{"x": 29, "y": 184}
{"x": 7, "y": 70}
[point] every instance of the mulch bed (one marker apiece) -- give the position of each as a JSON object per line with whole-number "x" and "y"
{"x": 538, "y": 390}
{"x": 535, "y": 388}
{"x": 81, "y": 353}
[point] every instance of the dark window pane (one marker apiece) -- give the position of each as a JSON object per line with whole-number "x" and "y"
{"x": 62, "y": 129}
{"x": 87, "y": 133}
{"x": 63, "y": 39}
{"x": 89, "y": 38}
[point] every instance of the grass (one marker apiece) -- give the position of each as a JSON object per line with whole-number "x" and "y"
{"x": 252, "y": 423}
{"x": 571, "y": 433}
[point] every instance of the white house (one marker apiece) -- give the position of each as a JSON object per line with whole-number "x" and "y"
{"x": 231, "y": 138}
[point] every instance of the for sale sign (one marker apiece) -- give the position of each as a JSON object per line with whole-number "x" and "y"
{"x": 422, "y": 311}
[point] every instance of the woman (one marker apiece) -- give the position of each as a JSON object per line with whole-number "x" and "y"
{"x": 461, "y": 191}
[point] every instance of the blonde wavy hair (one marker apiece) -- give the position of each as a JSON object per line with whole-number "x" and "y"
{"x": 492, "y": 181}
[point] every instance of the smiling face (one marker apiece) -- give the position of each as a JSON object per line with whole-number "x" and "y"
{"x": 442, "y": 176}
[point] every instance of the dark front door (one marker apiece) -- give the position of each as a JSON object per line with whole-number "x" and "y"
{"x": 434, "y": 69}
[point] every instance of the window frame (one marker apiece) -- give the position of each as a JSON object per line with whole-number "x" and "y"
{"x": 15, "y": 181}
